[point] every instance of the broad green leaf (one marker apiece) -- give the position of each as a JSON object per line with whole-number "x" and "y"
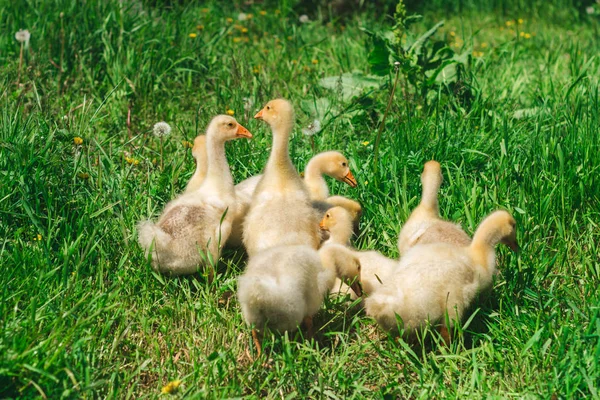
{"x": 379, "y": 57}
{"x": 417, "y": 46}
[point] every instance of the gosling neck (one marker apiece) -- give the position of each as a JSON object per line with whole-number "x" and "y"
{"x": 328, "y": 260}
{"x": 429, "y": 196}
{"x": 483, "y": 246}
{"x": 313, "y": 178}
{"x": 218, "y": 175}
{"x": 341, "y": 233}
{"x": 201, "y": 170}
{"x": 279, "y": 163}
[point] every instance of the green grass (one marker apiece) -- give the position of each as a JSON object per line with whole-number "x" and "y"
{"x": 83, "y": 315}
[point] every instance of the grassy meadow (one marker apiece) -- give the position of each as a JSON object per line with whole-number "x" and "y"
{"x": 82, "y": 313}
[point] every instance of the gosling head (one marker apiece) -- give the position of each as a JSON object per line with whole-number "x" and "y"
{"x": 508, "y": 232}
{"x": 334, "y": 217}
{"x": 346, "y": 265}
{"x": 227, "y": 128}
{"x": 498, "y": 227}
{"x": 350, "y": 271}
{"x": 278, "y": 113}
{"x": 432, "y": 171}
{"x": 337, "y": 166}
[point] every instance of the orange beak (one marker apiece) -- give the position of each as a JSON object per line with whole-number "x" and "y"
{"x": 243, "y": 132}
{"x": 259, "y": 114}
{"x": 349, "y": 179}
{"x": 322, "y": 225}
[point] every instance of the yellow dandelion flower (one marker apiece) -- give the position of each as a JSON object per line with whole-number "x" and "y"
{"x": 520, "y": 20}
{"x": 132, "y": 161}
{"x": 249, "y": 16}
{"x": 230, "y": 111}
{"x": 256, "y": 69}
{"x": 315, "y": 61}
{"x": 521, "y": 33}
{"x": 77, "y": 140}
{"x": 37, "y": 237}
{"x": 244, "y": 30}
{"x": 229, "y": 20}
{"x": 365, "y": 143}
{"x": 294, "y": 62}
{"x": 204, "y": 10}
{"x": 237, "y": 39}
{"x": 186, "y": 144}
{"x": 83, "y": 175}
{"x": 200, "y": 27}
{"x": 509, "y": 23}
{"x": 171, "y": 387}
{"x": 366, "y": 182}
{"x": 306, "y": 69}
{"x": 477, "y": 53}
{"x": 484, "y": 45}
{"x": 192, "y": 35}
{"x": 452, "y": 33}
{"x": 262, "y": 12}
{"x": 289, "y": 38}
{"x": 527, "y": 36}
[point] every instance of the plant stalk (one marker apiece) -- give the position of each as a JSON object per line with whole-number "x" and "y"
{"x": 382, "y": 124}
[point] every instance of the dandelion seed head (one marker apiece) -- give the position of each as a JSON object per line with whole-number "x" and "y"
{"x": 242, "y": 16}
{"x": 161, "y": 129}
{"x": 304, "y": 19}
{"x": 312, "y": 128}
{"x": 23, "y": 36}
{"x": 248, "y": 104}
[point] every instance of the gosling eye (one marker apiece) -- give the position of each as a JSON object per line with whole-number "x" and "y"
{"x": 268, "y": 107}
{"x": 328, "y": 216}
{"x": 230, "y": 124}
{"x": 343, "y": 164}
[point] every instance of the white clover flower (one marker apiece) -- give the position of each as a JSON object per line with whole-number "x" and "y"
{"x": 248, "y": 104}
{"x": 161, "y": 129}
{"x": 23, "y": 36}
{"x": 242, "y": 16}
{"x": 304, "y": 19}
{"x": 312, "y": 128}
